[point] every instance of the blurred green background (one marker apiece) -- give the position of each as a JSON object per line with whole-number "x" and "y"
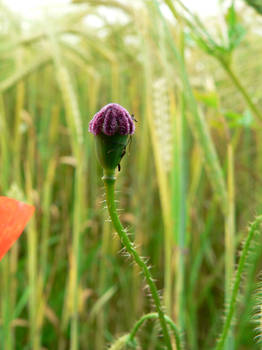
{"x": 189, "y": 184}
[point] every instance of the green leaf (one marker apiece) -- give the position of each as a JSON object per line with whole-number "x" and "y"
{"x": 210, "y": 99}
{"x": 235, "y": 30}
{"x": 236, "y": 120}
{"x": 256, "y": 4}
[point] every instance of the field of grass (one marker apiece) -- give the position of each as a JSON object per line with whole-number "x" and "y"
{"x": 189, "y": 191}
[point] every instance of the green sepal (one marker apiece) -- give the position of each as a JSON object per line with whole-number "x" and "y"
{"x": 110, "y": 150}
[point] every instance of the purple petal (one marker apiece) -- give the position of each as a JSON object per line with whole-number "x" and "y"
{"x": 112, "y": 119}
{"x": 123, "y": 124}
{"x": 110, "y": 123}
{"x": 97, "y": 124}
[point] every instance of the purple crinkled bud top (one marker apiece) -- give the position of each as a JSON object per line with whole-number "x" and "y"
{"x": 112, "y": 119}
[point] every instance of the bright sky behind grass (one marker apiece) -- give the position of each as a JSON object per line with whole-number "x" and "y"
{"x": 31, "y": 9}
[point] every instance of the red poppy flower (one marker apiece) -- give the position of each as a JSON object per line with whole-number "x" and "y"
{"x": 14, "y": 216}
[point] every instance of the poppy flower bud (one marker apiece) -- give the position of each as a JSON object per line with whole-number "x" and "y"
{"x": 111, "y": 126}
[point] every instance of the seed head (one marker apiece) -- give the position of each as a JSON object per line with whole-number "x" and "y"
{"x": 112, "y": 119}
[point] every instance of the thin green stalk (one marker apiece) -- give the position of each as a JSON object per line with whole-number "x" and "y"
{"x": 109, "y": 182}
{"x": 5, "y": 155}
{"x": 45, "y": 229}
{"x": 241, "y": 89}
{"x": 154, "y": 315}
{"x": 179, "y": 202}
{"x": 239, "y": 273}
{"x": 20, "y": 98}
{"x": 32, "y": 244}
{"x": 103, "y": 286}
{"x": 230, "y": 234}
{"x": 74, "y": 344}
{"x": 203, "y": 246}
{"x": 7, "y": 341}
{"x": 7, "y": 333}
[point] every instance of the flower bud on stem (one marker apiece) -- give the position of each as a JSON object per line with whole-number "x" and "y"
{"x": 112, "y": 126}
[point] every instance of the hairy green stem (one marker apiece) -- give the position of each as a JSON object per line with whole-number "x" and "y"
{"x": 120, "y": 343}
{"x": 154, "y": 315}
{"x": 109, "y": 182}
{"x": 240, "y": 269}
